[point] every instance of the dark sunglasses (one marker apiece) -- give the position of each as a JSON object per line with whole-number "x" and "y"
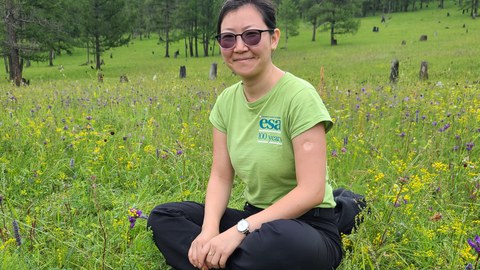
{"x": 250, "y": 37}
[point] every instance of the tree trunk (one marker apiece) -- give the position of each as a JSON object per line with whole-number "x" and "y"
{"x": 474, "y": 8}
{"x": 333, "y": 41}
{"x": 423, "y": 74}
{"x": 167, "y": 44}
{"x": 13, "y": 52}
{"x": 5, "y": 61}
{"x": 88, "y": 53}
{"x": 51, "y": 56}
{"x": 213, "y": 71}
{"x": 314, "y": 34}
{"x": 186, "y": 48}
{"x": 190, "y": 44}
{"x": 97, "y": 53}
{"x": 286, "y": 36}
{"x": 196, "y": 45}
{"x": 394, "y": 70}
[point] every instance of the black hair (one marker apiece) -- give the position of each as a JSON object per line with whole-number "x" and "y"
{"x": 265, "y": 7}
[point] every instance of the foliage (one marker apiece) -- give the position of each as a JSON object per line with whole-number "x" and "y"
{"x": 80, "y": 158}
{"x": 288, "y": 19}
{"x": 339, "y": 17}
{"x": 104, "y": 23}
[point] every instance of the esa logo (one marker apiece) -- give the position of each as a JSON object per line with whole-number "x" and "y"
{"x": 270, "y": 123}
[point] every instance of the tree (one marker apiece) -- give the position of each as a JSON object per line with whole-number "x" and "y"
{"x": 31, "y": 29}
{"x": 53, "y": 29}
{"x": 196, "y": 24}
{"x": 163, "y": 21}
{"x": 138, "y": 11}
{"x": 289, "y": 18}
{"x": 105, "y": 23}
{"x": 339, "y": 15}
{"x": 12, "y": 50}
{"x": 312, "y": 10}
{"x": 471, "y": 5}
{"x": 207, "y": 9}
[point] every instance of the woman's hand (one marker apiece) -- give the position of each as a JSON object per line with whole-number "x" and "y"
{"x": 199, "y": 248}
{"x": 220, "y": 248}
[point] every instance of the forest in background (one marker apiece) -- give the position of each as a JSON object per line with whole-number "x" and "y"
{"x": 38, "y": 30}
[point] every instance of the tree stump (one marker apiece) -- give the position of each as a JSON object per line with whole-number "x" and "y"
{"x": 123, "y": 78}
{"x": 183, "y": 72}
{"x": 100, "y": 77}
{"x": 213, "y": 71}
{"x": 394, "y": 71}
{"x": 423, "y": 74}
{"x": 423, "y": 38}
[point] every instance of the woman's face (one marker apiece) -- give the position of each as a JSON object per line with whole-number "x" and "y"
{"x": 248, "y": 61}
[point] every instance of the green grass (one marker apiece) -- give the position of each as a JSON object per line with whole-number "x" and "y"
{"x": 76, "y": 154}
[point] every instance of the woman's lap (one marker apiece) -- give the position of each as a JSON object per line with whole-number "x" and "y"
{"x": 280, "y": 244}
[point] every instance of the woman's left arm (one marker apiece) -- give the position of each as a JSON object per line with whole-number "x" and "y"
{"x": 310, "y": 150}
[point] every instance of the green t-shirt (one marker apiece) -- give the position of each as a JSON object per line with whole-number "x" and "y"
{"x": 260, "y": 133}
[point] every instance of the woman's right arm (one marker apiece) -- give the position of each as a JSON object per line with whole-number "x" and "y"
{"x": 220, "y": 182}
{"x": 218, "y": 193}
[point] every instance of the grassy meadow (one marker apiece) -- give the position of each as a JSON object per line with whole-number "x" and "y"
{"x": 77, "y": 155}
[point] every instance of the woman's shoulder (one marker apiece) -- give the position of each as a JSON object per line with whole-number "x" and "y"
{"x": 231, "y": 90}
{"x": 297, "y": 85}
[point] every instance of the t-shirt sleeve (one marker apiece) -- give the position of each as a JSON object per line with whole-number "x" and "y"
{"x": 307, "y": 109}
{"x": 216, "y": 117}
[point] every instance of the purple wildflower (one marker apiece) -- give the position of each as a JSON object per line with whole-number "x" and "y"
{"x": 133, "y": 215}
{"x": 89, "y": 118}
{"x": 434, "y": 123}
{"x": 344, "y": 150}
{"x": 469, "y": 146}
{"x": 475, "y": 243}
{"x": 72, "y": 163}
{"x": 16, "y": 232}
{"x": 334, "y": 153}
{"x": 345, "y": 141}
{"x": 179, "y": 152}
{"x": 469, "y": 266}
{"x": 402, "y": 134}
{"x": 132, "y": 221}
{"x": 447, "y": 126}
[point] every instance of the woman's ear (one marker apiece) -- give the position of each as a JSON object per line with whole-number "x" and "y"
{"x": 275, "y": 38}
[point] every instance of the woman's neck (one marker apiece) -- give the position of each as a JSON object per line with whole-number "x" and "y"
{"x": 257, "y": 87}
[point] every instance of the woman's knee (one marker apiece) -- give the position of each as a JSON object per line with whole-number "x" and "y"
{"x": 285, "y": 244}
{"x": 172, "y": 210}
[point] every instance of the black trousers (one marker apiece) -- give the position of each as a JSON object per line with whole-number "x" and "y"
{"x": 311, "y": 242}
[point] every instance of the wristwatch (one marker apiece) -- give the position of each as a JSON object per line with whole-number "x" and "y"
{"x": 242, "y": 226}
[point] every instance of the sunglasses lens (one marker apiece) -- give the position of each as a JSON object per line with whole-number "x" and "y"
{"x": 251, "y": 37}
{"x": 226, "y": 40}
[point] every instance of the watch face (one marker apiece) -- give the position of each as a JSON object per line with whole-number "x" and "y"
{"x": 242, "y": 225}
